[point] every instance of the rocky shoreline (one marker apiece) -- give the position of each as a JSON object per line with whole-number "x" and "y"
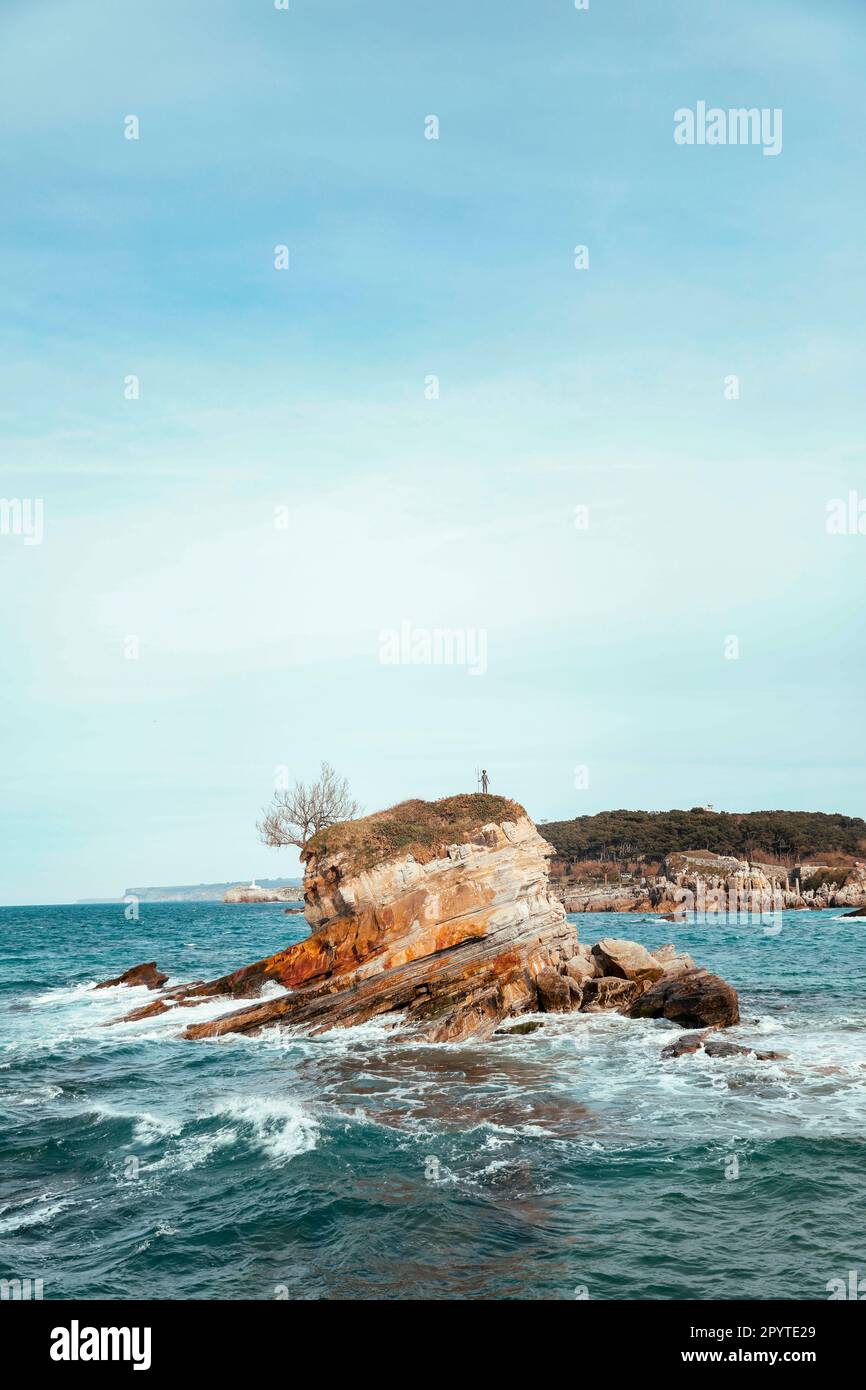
{"x": 705, "y": 882}
{"x": 447, "y": 938}
{"x": 253, "y": 893}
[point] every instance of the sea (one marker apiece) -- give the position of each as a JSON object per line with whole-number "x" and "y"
{"x": 574, "y": 1162}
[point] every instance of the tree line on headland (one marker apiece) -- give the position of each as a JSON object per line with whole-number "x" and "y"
{"x": 790, "y": 837}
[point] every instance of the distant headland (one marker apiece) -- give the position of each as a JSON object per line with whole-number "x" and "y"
{"x": 194, "y": 893}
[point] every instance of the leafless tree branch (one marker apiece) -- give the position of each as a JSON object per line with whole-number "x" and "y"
{"x": 294, "y": 817}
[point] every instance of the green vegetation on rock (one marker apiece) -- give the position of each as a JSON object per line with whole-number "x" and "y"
{"x": 421, "y": 828}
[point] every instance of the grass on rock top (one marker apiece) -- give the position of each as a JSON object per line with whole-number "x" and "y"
{"x": 421, "y": 828}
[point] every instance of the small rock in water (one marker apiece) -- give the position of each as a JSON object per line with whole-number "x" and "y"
{"x": 723, "y": 1047}
{"x": 146, "y": 974}
{"x": 691, "y": 998}
{"x": 519, "y": 1030}
{"x": 686, "y": 1043}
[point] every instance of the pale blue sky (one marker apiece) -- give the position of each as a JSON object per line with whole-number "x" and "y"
{"x": 559, "y": 388}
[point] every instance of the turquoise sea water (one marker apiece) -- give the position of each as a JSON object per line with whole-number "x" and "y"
{"x": 354, "y": 1165}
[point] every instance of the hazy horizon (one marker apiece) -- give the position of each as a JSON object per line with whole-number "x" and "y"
{"x": 297, "y": 874}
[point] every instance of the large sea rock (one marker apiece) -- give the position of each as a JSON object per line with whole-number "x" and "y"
{"x": 437, "y": 916}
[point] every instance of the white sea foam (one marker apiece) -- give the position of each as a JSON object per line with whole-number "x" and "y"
{"x": 37, "y": 1095}
{"x": 29, "y": 1213}
{"x": 80, "y": 1012}
{"x": 66, "y": 994}
{"x": 281, "y": 1128}
{"x": 191, "y": 1152}
{"x": 147, "y": 1128}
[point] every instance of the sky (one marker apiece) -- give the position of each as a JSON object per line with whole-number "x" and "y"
{"x": 612, "y": 480}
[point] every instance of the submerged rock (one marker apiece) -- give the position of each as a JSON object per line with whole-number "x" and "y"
{"x": 716, "y": 1047}
{"x": 519, "y": 1030}
{"x": 686, "y": 1043}
{"x": 723, "y": 1047}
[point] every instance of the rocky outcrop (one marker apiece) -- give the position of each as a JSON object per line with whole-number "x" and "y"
{"x": 644, "y": 896}
{"x": 583, "y": 965}
{"x": 252, "y": 893}
{"x": 853, "y": 891}
{"x": 146, "y": 974}
{"x": 673, "y": 960}
{"x": 447, "y": 937}
{"x": 556, "y": 992}
{"x": 699, "y": 881}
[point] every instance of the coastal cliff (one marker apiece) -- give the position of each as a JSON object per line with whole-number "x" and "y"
{"x": 439, "y": 916}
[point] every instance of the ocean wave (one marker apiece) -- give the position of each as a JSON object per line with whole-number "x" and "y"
{"x": 36, "y": 1095}
{"x": 146, "y": 1127}
{"x": 193, "y": 1151}
{"x": 29, "y": 1213}
{"x": 280, "y": 1128}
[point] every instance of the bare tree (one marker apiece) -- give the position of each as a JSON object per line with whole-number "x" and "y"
{"x": 293, "y": 817}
